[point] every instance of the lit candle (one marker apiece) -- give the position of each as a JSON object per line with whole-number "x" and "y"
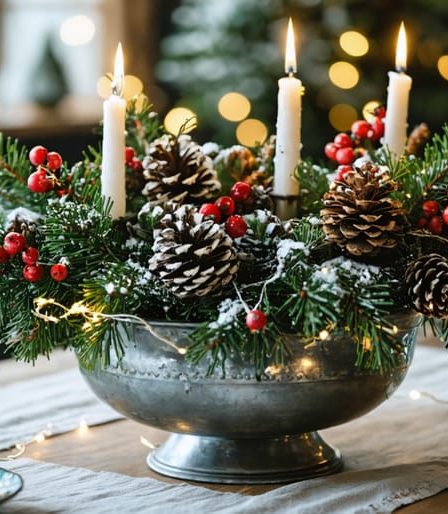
{"x": 113, "y": 165}
{"x": 288, "y": 142}
{"x": 395, "y": 130}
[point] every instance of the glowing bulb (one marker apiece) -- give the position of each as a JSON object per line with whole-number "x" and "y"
{"x": 290, "y": 53}
{"x": 83, "y": 427}
{"x": 415, "y": 395}
{"x": 234, "y": 106}
{"x": 343, "y": 74}
{"x": 77, "y": 30}
{"x": 180, "y": 117}
{"x": 251, "y": 132}
{"x": 401, "y": 53}
{"x": 40, "y": 437}
{"x": 324, "y": 334}
{"x": 182, "y": 351}
{"x": 118, "y": 81}
{"x": 354, "y": 43}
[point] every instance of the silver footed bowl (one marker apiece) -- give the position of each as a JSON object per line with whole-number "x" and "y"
{"x": 234, "y": 428}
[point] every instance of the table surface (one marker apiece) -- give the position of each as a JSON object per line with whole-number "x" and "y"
{"x": 97, "y": 448}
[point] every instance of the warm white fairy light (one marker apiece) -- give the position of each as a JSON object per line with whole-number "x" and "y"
{"x": 324, "y": 334}
{"x": 415, "y": 395}
{"x": 83, "y": 427}
{"x": 93, "y": 317}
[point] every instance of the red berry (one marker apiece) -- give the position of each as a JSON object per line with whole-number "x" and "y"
{"x": 435, "y": 225}
{"x": 30, "y": 255}
{"x": 343, "y": 140}
{"x": 210, "y": 209}
{"x": 4, "y": 256}
{"x": 445, "y": 215}
{"x": 430, "y": 208}
{"x": 236, "y": 226}
{"x": 380, "y": 112}
{"x": 422, "y": 222}
{"x": 241, "y": 191}
{"x": 14, "y": 243}
{"x": 330, "y": 150}
{"x": 135, "y": 164}
{"x": 342, "y": 171}
{"x": 38, "y": 182}
{"x": 59, "y": 272}
{"x": 54, "y": 161}
{"x": 345, "y": 155}
{"x": 226, "y": 205}
{"x": 33, "y": 272}
{"x": 376, "y": 131}
{"x": 256, "y": 320}
{"x": 129, "y": 154}
{"x": 37, "y": 155}
{"x": 360, "y": 129}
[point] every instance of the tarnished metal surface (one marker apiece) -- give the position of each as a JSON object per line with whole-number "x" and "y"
{"x": 320, "y": 387}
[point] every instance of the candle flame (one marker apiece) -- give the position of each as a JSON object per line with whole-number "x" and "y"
{"x": 290, "y": 54}
{"x": 118, "y": 81}
{"x": 401, "y": 54}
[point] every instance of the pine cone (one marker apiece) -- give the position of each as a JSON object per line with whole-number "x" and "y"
{"x": 417, "y": 139}
{"x": 359, "y": 215}
{"x": 257, "y": 249}
{"x": 193, "y": 256}
{"x": 426, "y": 282}
{"x": 177, "y": 170}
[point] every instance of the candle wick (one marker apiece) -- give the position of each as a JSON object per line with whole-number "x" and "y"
{"x": 290, "y": 71}
{"x": 117, "y": 86}
{"x": 401, "y": 69}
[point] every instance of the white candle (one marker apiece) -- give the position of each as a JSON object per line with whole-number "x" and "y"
{"x": 113, "y": 183}
{"x": 395, "y": 130}
{"x": 288, "y": 142}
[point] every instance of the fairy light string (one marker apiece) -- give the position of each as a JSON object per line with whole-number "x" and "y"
{"x": 93, "y": 317}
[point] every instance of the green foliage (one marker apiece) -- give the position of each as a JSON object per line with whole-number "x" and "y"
{"x": 313, "y": 180}
{"x": 142, "y": 125}
{"x": 15, "y": 169}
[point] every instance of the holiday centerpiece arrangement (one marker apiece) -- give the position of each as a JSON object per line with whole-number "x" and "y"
{"x": 233, "y": 266}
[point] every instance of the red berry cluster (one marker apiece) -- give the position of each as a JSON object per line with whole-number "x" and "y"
{"x": 434, "y": 218}
{"x": 15, "y": 243}
{"x": 132, "y": 161}
{"x": 48, "y": 164}
{"x": 224, "y": 208}
{"x": 345, "y": 149}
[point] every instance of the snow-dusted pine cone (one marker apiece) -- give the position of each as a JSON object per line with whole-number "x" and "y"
{"x": 359, "y": 214}
{"x": 193, "y": 256}
{"x": 176, "y": 169}
{"x": 257, "y": 249}
{"x": 427, "y": 285}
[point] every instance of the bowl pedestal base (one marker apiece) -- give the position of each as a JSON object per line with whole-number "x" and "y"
{"x": 285, "y": 458}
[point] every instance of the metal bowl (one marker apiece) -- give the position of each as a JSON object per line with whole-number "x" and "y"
{"x": 237, "y": 429}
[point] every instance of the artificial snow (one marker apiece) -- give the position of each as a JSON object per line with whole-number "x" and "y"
{"x": 228, "y": 313}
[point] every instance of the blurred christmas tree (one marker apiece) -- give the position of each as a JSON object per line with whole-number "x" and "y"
{"x": 345, "y": 48}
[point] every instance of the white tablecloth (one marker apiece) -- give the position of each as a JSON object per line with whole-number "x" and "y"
{"x": 396, "y": 455}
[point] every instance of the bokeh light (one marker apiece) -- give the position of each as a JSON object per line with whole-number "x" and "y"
{"x": 369, "y": 108}
{"x": 442, "y": 66}
{"x": 251, "y": 132}
{"x": 77, "y": 30}
{"x": 343, "y": 74}
{"x": 133, "y": 86}
{"x": 178, "y": 117}
{"x": 354, "y": 43}
{"x": 342, "y": 116}
{"x": 234, "y": 106}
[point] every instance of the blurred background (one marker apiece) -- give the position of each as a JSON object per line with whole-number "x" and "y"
{"x": 219, "y": 59}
